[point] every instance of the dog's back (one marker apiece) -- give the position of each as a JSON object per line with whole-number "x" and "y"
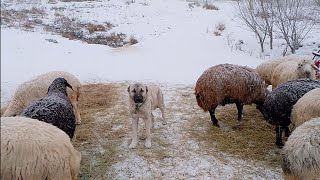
{"x": 156, "y": 96}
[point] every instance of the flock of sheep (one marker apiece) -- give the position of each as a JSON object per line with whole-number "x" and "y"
{"x": 35, "y": 142}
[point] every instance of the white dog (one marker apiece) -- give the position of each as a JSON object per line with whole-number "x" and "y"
{"x": 143, "y": 100}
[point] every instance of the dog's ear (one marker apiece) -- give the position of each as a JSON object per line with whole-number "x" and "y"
{"x": 128, "y": 88}
{"x": 146, "y": 89}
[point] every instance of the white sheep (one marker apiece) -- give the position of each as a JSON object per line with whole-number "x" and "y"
{"x": 306, "y": 108}
{"x": 292, "y": 70}
{"x": 301, "y": 153}
{"x": 265, "y": 69}
{"x": 32, "y": 149}
{"x": 38, "y": 87}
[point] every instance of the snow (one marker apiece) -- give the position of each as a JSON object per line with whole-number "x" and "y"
{"x": 178, "y": 50}
{"x": 176, "y": 44}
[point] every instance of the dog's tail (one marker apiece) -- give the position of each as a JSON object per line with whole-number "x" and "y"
{"x": 160, "y": 97}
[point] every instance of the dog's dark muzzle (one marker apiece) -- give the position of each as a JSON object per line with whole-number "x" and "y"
{"x": 138, "y": 99}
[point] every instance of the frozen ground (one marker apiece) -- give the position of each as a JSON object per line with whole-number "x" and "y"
{"x": 175, "y": 45}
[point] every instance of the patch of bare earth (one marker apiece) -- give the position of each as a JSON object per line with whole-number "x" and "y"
{"x": 187, "y": 147}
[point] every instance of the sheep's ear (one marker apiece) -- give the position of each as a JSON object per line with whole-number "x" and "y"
{"x": 128, "y": 88}
{"x": 68, "y": 85}
{"x": 146, "y": 89}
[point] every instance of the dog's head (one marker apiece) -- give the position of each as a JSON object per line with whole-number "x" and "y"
{"x": 138, "y": 92}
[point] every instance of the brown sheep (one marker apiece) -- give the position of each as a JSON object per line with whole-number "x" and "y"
{"x": 226, "y": 83}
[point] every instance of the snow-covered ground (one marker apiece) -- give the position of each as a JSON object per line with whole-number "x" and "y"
{"x": 175, "y": 45}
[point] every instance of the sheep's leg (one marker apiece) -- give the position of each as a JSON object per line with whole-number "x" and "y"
{"x": 286, "y": 131}
{"x": 240, "y": 110}
{"x": 213, "y": 117}
{"x": 279, "y": 136}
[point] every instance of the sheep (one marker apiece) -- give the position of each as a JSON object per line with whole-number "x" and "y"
{"x": 227, "y": 83}
{"x": 31, "y": 149}
{"x": 55, "y": 108}
{"x": 279, "y": 102}
{"x": 266, "y": 69}
{"x": 37, "y": 88}
{"x": 301, "y": 153}
{"x": 306, "y": 108}
{"x": 291, "y": 70}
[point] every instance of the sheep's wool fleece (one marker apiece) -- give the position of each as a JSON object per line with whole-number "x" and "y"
{"x": 306, "y": 108}
{"x": 229, "y": 81}
{"x": 301, "y": 153}
{"x": 55, "y": 109}
{"x": 279, "y": 102}
{"x": 34, "y": 150}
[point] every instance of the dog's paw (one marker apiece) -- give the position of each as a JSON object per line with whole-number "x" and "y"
{"x": 78, "y": 122}
{"x": 148, "y": 144}
{"x": 133, "y": 145}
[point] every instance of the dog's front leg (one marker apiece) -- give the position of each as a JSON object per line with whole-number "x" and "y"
{"x": 148, "y": 123}
{"x": 134, "y": 142}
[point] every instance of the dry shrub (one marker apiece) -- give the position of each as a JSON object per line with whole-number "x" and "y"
{"x": 210, "y": 6}
{"x": 95, "y": 27}
{"x": 217, "y": 33}
{"x": 220, "y": 27}
{"x": 194, "y": 4}
{"x": 133, "y": 40}
{"x": 112, "y": 40}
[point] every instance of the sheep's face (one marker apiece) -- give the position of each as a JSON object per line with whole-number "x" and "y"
{"x": 138, "y": 92}
{"x": 59, "y": 85}
{"x": 305, "y": 70}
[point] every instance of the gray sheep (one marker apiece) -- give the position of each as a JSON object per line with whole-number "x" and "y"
{"x": 55, "y": 108}
{"x": 301, "y": 153}
{"x": 279, "y": 102}
{"x": 227, "y": 83}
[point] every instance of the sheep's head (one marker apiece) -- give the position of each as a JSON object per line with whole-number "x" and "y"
{"x": 305, "y": 69}
{"x": 59, "y": 85}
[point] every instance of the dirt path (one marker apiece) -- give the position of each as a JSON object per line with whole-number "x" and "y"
{"x": 182, "y": 149}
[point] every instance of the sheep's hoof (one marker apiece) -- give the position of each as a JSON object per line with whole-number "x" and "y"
{"x": 279, "y": 144}
{"x": 216, "y": 124}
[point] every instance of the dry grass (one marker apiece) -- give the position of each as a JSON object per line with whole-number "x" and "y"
{"x": 94, "y": 138}
{"x": 252, "y": 139}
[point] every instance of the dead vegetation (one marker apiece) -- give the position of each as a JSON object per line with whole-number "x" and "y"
{"x": 210, "y": 6}
{"x": 68, "y": 27}
{"x": 219, "y": 28}
{"x": 251, "y": 139}
{"x": 95, "y": 138}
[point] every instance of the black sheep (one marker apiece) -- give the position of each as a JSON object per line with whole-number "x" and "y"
{"x": 55, "y": 108}
{"x": 278, "y": 104}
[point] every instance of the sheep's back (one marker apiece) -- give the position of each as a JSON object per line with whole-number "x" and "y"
{"x": 36, "y": 88}
{"x": 306, "y": 108}
{"x": 279, "y": 102}
{"x": 227, "y": 81}
{"x": 54, "y": 110}
{"x": 301, "y": 153}
{"x": 31, "y": 149}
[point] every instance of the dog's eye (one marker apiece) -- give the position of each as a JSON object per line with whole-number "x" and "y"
{"x": 134, "y": 91}
{"x": 142, "y": 90}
